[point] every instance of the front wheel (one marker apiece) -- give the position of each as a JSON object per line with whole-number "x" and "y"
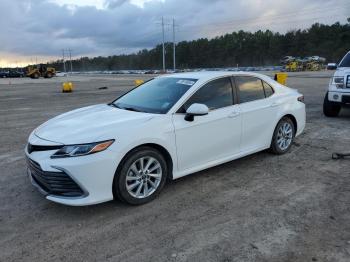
{"x": 330, "y": 109}
{"x": 283, "y": 136}
{"x": 141, "y": 176}
{"x": 35, "y": 76}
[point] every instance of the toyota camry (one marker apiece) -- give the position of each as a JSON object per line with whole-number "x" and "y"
{"x": 169, "y": 127}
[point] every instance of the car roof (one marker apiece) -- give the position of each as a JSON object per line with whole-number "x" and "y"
{"x": 208, "y": 75}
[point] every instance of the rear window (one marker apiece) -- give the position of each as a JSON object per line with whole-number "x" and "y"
{"x": 250, "y": 88}
{"x": 346, "y": 61}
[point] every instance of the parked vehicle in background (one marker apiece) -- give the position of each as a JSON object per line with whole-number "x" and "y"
{"x": 331, "y": 66}
{"x": 15, "y": 73}
{"x": 287, "y": 59}
{"x": 40, "y": 71}
{"x": 11, "y": 73}
{"x": 3, "y": 74}
{"x": 309, "y": 63}
{"x": 317, "y": 59}
{"x": 61, "y": 74}
{"x": 338, "y": 94}
{"x": 166, "y": 128}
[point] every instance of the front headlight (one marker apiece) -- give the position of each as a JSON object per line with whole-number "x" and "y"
{"x": 338, "y": 81}
{"x": 82, "y": 150}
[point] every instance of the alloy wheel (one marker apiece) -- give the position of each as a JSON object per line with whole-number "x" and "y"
{"x": 284, "y": 136}
{"x": 143, "y": 177}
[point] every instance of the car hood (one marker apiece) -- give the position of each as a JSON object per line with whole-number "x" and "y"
{"x": 341, "y": 71}
{"x": 89, "y": 124}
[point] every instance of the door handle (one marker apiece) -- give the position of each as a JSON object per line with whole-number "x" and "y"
{"x": 233, "y": 114}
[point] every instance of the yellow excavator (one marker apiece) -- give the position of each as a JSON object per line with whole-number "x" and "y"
{"x": 40, "y": 71}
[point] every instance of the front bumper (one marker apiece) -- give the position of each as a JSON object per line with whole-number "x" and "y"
{"x": 342, "y": 98}
{"x": 54, "y": 183}
{"x": 92, "y": 174}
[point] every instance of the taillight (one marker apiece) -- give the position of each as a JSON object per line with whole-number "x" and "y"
{"x": 301, "y": 98}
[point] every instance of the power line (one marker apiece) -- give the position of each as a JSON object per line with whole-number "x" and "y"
{"x": 64, "y": 62}
{"x": 70, "y": 60}
{"x": 267, "y": 17}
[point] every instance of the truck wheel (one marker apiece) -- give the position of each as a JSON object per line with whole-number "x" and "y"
{"x": 49, "y": 75}
{"x": 35, "y": 76}
{"x": 330, "y": 109}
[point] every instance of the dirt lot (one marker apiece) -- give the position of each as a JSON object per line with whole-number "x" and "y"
{"x": 294, "y": 207}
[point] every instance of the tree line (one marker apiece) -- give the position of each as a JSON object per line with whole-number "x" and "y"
{"x": 241, "y": 48}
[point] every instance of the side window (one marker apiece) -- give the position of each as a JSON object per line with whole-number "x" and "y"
{"x": 215, "y": 94}
{"x": 268, "y": 89}
{"x": 250, "y": 88}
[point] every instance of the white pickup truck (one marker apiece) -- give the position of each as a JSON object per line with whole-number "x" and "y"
{"x": 338, "y": 94}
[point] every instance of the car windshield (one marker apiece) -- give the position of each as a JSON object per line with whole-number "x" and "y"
{"x": 346, "y": 61}
{"x": 155, "y": 96}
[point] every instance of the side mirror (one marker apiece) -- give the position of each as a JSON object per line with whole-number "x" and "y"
{"x": 196, "y": 110}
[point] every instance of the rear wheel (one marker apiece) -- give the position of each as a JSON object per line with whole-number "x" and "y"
{"x": 330, "y": 109}
{"x": 283, "y": 136}
{"x": 141, "y": 176}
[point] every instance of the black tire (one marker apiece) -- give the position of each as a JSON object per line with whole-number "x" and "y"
{"x": 330, "y": 109}
{"x": 119, "y": 184}
{"x": 35, "y": 76}
{"x": 275, "y": 147}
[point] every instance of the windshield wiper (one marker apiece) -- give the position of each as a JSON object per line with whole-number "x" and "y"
{"x": 131, "y": 109}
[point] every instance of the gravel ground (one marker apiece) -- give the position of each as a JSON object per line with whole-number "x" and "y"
{"x": 294, "y": 207}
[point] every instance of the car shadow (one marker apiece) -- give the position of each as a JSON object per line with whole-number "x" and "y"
{"x": 171, "y": 191}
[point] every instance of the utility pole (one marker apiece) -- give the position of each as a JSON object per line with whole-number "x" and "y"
{"x": 70, "y": 60}
{"x": 163, "y": 44}
{"x": 64, "y": 63}
{"x": 174, "y": 45}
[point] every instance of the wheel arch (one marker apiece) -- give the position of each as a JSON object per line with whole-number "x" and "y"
{"x": 158, "y": 147}
{"x": 294, "y": 120}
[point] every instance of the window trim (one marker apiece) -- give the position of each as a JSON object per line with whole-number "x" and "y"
{"x": 273, "y": 90}
{"x": 205, "y": 83}
{"x": 262, "y": 84}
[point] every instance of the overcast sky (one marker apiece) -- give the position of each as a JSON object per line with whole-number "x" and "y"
{"x": 40, "y": 29}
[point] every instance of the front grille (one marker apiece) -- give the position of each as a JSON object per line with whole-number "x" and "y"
{"x": 54, "y": 183}
{"x": 33, "y": 148}
{"x": 346, "y": 99}
{"x": 348, "y": 82}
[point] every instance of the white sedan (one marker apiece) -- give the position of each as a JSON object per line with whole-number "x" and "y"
{"x": 169, "y": 127}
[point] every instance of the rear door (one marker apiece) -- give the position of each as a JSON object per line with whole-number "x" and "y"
{"x": 209, "y": 137}
{"x": 258, "y": 111}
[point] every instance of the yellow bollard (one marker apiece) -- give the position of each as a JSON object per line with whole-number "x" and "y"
{"x": 281, "y": 78}
{"x": 139, "y": 82}
{"x": 67, "y": 87}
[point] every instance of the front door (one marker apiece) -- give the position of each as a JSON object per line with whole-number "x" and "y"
{"x": 210, "y": 137}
